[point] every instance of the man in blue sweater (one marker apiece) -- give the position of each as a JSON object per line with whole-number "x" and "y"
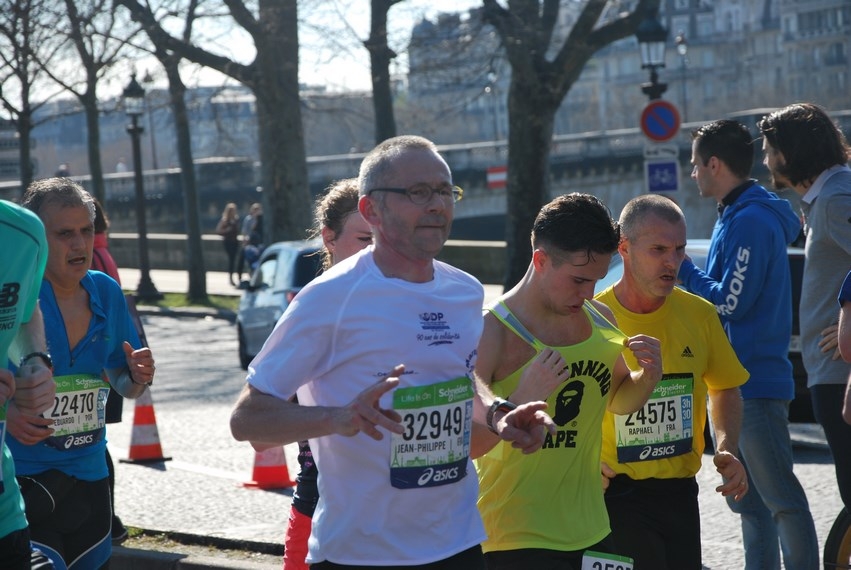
{"x": 747, "y": 258}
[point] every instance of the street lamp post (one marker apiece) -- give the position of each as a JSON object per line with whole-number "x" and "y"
{"x": 147, "y": 80}
{"x": 652, "y": 36}
{"x": 682, "y": 49}
{"x": 134, "y": 106}
{"x": 490, "y": 89}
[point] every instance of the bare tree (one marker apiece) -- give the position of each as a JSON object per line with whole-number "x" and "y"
{"x": 27, "y": 41}
{"x": 177, "y": 96}
{"x": 538, "y": 86}
{"x": 273, "y": 78}
{"x": 380, "y": 56}
{"x": 98, "y": 38}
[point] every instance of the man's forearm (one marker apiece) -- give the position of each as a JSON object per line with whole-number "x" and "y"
{"x": 30, "y": 338}
{"x": 726, "y": 408}
{"x": 266, "y": 420}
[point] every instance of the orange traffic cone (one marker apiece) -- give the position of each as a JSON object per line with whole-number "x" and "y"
{"x": 145, "y": 438}
{"x": 270, "y": 470}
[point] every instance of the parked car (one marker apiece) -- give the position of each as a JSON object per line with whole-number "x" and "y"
{"x": 800, "y": 410}
{"x": 283, "y": 269}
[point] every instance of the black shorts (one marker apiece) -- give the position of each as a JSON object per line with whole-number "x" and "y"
{"x": 69, "y": 518}
{"x": 656, "y": 522}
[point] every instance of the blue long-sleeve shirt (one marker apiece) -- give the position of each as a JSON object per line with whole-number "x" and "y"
{"x": 747, "y": 278}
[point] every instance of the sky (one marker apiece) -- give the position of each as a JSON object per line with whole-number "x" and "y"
{"x": 344, "y": 65}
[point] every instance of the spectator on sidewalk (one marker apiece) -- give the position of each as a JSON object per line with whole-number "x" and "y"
{"x": 747, "y": 257}
{"x": 806, "y": 151}
{"x": 63, "y": 473}
{"x": 248, "y": 223}
{"x": 416, "y": 492}
{"x": 228, "y": 228}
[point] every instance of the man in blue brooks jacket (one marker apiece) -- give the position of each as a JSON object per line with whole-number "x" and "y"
{"x": 747, "y": 257}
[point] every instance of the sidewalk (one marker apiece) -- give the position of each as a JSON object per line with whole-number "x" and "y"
{"x": 170, "y": 281}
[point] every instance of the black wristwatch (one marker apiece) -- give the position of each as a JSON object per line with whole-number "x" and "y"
{"x": 48, "y": 361}
{"x": 498, "y": 405}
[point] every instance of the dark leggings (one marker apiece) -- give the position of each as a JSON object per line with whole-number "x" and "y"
{"x": 231, "y": 248}
{"x": 470, "y": 559}
{"x": 827, "y": 406}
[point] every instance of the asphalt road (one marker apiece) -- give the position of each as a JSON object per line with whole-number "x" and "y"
{"x": 200, "y": 490}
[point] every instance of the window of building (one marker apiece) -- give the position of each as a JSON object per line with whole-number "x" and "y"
{"x": 705, "y": 25}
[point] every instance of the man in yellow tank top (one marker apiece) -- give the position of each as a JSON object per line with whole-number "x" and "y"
{"x": 546, "y": 339}
{"x": 652, "y": 455}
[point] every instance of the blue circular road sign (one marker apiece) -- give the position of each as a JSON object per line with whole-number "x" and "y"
{"x": 660, "y": 121}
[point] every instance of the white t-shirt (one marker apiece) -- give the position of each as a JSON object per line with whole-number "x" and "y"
{"x": 343, "y": 333}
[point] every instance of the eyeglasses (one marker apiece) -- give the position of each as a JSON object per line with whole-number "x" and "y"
{"x": 421, "y": 194}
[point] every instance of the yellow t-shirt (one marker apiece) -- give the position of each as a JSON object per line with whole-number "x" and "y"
{"x": 553, "y": 498}
{"x": 665, "y": 438}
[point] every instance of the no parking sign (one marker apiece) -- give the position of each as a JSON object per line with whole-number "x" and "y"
{"x": 660, "y": 121}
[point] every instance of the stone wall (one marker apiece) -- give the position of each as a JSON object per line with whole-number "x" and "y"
{"x": 484, "y": 259}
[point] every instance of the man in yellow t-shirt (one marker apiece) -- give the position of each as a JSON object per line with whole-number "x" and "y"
{"x": 651, "y": 456}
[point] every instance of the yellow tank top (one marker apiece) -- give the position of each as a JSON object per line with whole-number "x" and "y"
{"x": 553, "y": 498}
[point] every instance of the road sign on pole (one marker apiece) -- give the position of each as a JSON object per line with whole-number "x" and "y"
{"x": 660, "y": 120}
{"x": 497, "y": 177}
{"x": 660, "y": 151}
{"x": 662, "y": 175}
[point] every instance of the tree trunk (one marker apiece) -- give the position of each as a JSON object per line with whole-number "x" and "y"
{"x": 286, "y": 192}
{"x": 538, "y": 87}
{"x": 25, "y": 150}
{"x": 273, "y": 78}
{"x": 380, "y": 56}
{"x": 530, "y": 130}
{"x": 90, "y": 105}
{"x": 194, "y": 251}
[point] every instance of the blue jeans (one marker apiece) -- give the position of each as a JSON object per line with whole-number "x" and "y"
{"x": 775, "y": 506}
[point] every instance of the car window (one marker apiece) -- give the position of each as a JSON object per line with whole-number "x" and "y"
{"x": 308, "y": 265}
{"x": 264, "y": 275}
{"x": 285, "y": 262}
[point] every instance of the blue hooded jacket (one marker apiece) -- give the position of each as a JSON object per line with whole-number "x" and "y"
{"x": 747, "y": 278}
